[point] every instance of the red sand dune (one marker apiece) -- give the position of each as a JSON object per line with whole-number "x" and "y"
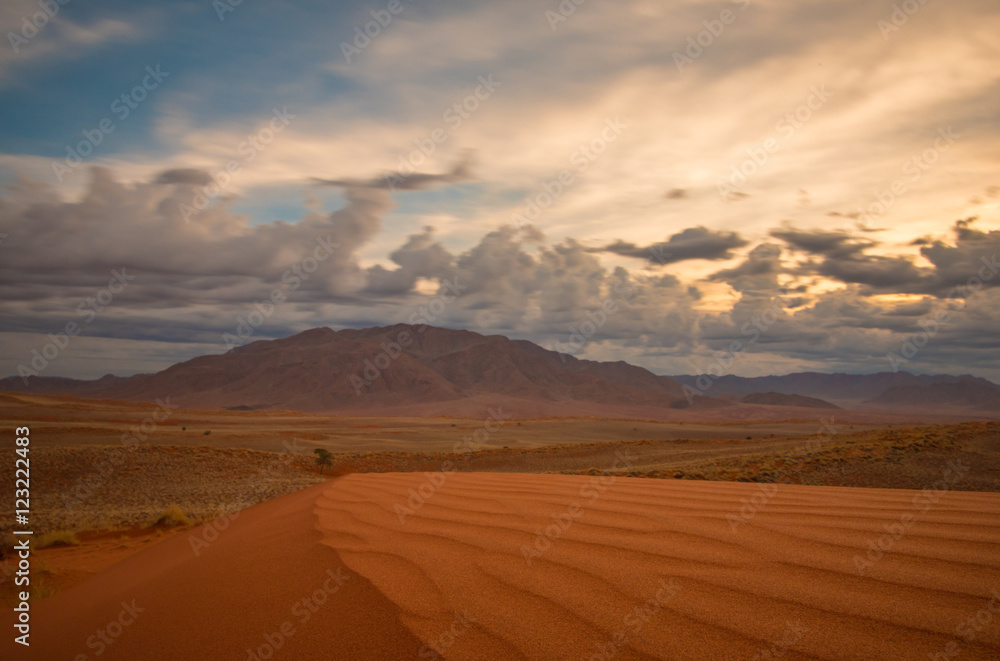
{"x": 625, "y": 569}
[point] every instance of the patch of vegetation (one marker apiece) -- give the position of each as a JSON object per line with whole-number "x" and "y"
{"x": 173, "y": 516}
{"x": 323, "y": 458}
{"x": 57, "y": 538}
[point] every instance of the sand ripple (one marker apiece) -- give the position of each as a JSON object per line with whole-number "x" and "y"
{"x": 504, "y": 566}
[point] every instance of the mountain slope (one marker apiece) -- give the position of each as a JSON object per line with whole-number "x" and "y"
{"x": 961, "y": 394}
{"x": 782, "y": 399}
{"x": 385, "y": 368}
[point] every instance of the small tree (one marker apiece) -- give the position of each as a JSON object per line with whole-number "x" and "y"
{"x": 323, "y": 458}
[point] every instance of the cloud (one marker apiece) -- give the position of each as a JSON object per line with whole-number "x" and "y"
{"x": 879, "y": 273}
{"x": 193, "y": 281}
{"x": 691, "y": 243}
{"x": 408, "y": 180}
{"x": 58, "y": 38}
{"x": 837, "y": 245}
{"x": 419, "y": 257}
{"x": 973, "y": 258}
{"x": 59, "y": 252}
{"x": 845, "y": 259}
{"x": 758, "y": 271}
{"x": 189, "y": 176}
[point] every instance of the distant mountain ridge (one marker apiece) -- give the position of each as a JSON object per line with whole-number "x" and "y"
{"x": 836, "y": 387}
{"x": 968, "y": 394}
{"x": 783, "y": 399}
{"x": 426, "y": 371}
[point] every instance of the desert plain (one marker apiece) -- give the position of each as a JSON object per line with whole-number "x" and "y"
{"x": 217, "y": 536}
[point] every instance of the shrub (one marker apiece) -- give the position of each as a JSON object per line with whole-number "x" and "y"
{"x": 57, "y": 538}
{"x": 323, "y": 458}
{"x": 173, "y": 516}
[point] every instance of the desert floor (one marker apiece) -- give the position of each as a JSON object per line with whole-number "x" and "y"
{"x": 527, "y": 566}
{"x": 535, "y": 539}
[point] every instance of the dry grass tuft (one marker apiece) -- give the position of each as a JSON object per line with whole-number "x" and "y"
{"x": 173, "y": 516}
{"x": 57, "y": 538}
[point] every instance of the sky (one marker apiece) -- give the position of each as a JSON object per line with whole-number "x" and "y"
{"x": 753, "y": 187}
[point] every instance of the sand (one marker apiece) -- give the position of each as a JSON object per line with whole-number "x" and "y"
{"x": 233, "y": 596}
{"x": 512, "y": 566}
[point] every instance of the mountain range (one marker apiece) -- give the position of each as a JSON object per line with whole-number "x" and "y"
{"x": 425, "y": 370}
{"x": 851, "y": 390}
